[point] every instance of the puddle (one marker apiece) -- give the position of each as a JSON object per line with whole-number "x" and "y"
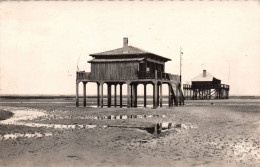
{"x": 110, "y": 117}
{"x": 25, "y": 114}
{"x": 20, "y": 115}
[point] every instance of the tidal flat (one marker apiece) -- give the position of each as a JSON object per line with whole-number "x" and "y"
{"x": 52, "y": 132}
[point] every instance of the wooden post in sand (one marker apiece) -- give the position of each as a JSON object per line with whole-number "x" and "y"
{"x": 161, "y": 100}
{"x": 169, "y": 95}
{"x": 108, "y": 95}
{"x": 115, "y": 94}
{"x": 84, "y": 94}
{"x": 155, "y": 95}
{"x": 135, "y": 94}
{"x": 102, "y": 96}
{"x": 98, "y": 94}
{"x": 128, "y": 95}
{"x": 144, "y": 94}
{"x": 77, "y": 94}
{"x": 121, "y": 95}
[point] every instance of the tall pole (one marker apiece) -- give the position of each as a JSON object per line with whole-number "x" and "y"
{"x": 181, "y": 53}
{"x": 180, "y": 95}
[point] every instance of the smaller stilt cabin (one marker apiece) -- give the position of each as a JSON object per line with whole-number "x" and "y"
{"x": 205, "y": 86}
{"x": 131, "y": 66}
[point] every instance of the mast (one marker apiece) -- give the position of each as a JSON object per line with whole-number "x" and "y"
{"x": 181, "y": 54}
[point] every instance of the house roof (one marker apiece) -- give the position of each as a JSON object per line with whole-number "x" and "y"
{"x": 123, "y": 51}
{"x": 127, "y": 50}
{"x": 209, "y": 77}
{"x": 115, "y": 60}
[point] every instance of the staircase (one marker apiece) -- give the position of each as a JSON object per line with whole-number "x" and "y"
{"x": 177, "y": 95}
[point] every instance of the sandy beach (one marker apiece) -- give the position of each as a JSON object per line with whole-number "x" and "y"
{"x": 212, "y": 133}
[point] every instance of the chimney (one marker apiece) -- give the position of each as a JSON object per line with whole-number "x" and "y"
{"x": 125, "y": 42}
{"x": 204, "y": 73}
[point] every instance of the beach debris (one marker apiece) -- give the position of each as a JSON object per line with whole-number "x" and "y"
{"x": 184, "y": 126}
{"x": 181, "y": 126}
{"x": 112, "y": 117}
{"x": 124, "y": 117}
{"x": 26, "y": 135}
{"x": 165, "y": 125}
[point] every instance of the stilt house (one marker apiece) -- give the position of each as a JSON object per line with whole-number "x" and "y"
{"x": 131, "y": 66}
{"x": 206, "y": 86}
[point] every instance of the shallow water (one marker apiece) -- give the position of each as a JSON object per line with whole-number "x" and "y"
{"x": 21, "y": 115}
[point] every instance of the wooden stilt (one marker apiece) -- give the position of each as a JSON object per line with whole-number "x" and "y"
{"x": 145, "y": 95}
{"x": 158, "y": 93}
{"x": 169, "y": 95}
{"x": 77, "y": 94}
{"x": 131, "y": 95}
{"x": 155, "y": 95}
{"x": 121, "y": 95}
{"x": 135, "y": 95}
{"x": 109, "y": 95}
{"x": 183, "y": 92}
{"x": 84, "y": 94}
{"x": 102, "y": 96}
{"x": 98, "y": 94}
{"x": 115, "y": 95}
{"x": 161, "y": 100}
{"x": 128, "y": 95}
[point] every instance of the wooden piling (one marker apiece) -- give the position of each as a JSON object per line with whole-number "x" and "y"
{"x": 144, "y": 94}
{"x": 108, "y": 94}
{"x": 84, "y": 94}
{"x": 77, "y": 94}
{"x": 115, "y": 96}
{"x": 121, "y": 95}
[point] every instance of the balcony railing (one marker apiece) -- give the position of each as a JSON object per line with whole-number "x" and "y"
{"x": 206, "y": 86}
{"x": 157, "y": 75}
{"x": 146, "y": 75}
{"x": 83, "y": 75}
{"x": 140, "y": 75}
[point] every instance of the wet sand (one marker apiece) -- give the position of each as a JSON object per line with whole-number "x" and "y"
{"x": 225, "y": 133}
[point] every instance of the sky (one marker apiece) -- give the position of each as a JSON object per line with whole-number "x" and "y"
{"x": 41, "y": 43}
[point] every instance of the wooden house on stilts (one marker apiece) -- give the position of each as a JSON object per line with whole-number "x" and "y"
{"x": 205, "y": 86}
{"x": 131, "y": 66}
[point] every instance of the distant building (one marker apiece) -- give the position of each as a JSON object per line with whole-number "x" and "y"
{"x": 132, "y": 66}
{"x": 205, "y": 86}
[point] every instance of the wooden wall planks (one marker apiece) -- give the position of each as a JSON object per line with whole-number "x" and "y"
{"x": 114, "y": 71}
